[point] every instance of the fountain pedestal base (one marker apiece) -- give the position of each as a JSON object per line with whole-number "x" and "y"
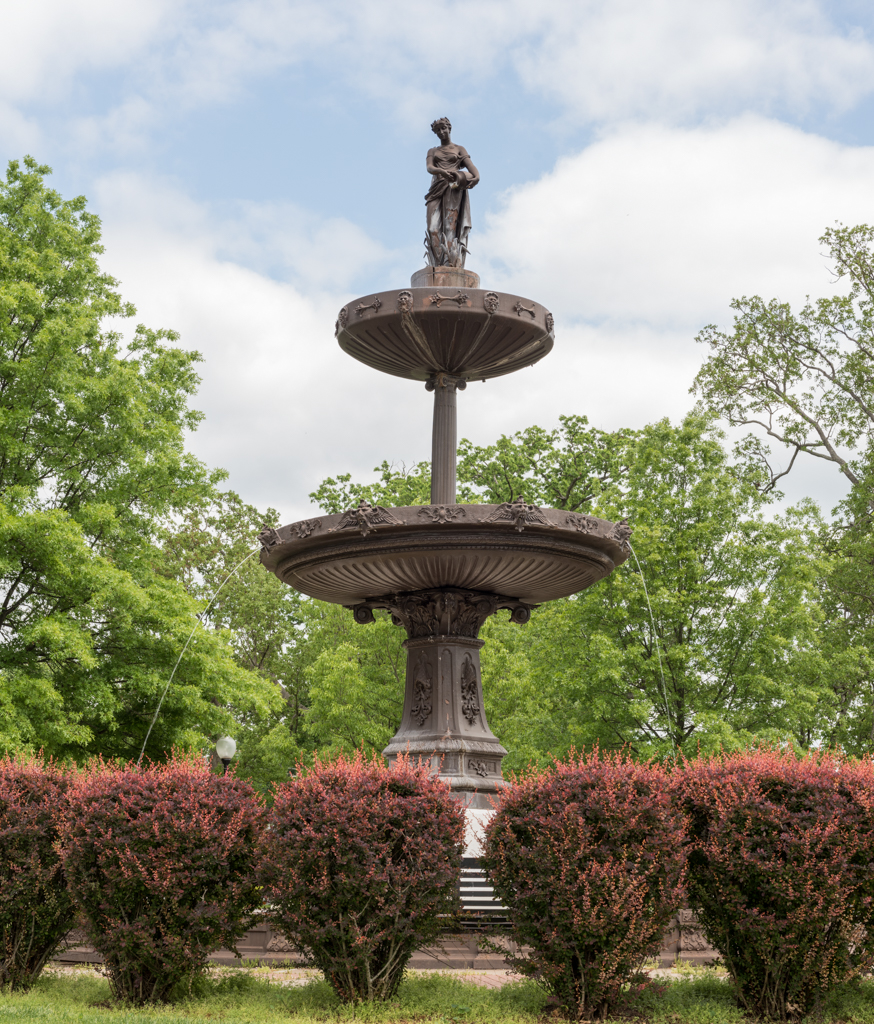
{"x": 444, "y": 722}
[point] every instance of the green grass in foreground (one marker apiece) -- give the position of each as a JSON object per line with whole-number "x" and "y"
{"x": 244, "y": 998}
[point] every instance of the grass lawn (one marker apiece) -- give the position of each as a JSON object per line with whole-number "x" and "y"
{"x": 249, "y": 996}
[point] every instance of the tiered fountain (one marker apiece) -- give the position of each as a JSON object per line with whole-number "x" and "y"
{"x": 442, "y": 569}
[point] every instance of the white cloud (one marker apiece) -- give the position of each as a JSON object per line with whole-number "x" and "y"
{"x": 48, "y": 42}
{"x": 643, "y": 238}
{"x": 666, "y": 225}
{"x": 21, "y": 134}
{"x": 668, "y": 59}
{"x": 634, "y": 244}
{"x": 288, "y": 241}
{"x": 284, "y": 406}
{"x": 671, "y": 59}
{"x": 664, "y": 59}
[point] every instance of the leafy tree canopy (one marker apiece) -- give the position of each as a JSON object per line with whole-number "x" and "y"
{"x": 93, "y": 473}
{"x": 806, "y": 379}
{"x": 729, "y": 650}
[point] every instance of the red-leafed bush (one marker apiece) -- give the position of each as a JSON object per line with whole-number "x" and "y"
{"x": 781, "y": 871}
{"x": 36, "y": 911}
{"x": 361, "y": 865}
{"x": 162, "y": 862}
{"x": 588, "y": 858}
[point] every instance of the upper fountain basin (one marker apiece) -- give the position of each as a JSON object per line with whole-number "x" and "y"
{"x": 516, "y": 550}
{"x": 467, "y": 332}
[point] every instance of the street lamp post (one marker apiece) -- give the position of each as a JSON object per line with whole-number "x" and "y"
{"x": 225, "y": 748}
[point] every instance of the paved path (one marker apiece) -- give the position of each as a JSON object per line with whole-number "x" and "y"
{"x": 295, "y": 976}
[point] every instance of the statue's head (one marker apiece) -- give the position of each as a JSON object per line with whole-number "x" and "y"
{"x": 441, "y": 126}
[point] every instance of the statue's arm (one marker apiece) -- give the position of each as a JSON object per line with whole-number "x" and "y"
{"x": 432, "y": 169}
{"x": 467, "y": 164}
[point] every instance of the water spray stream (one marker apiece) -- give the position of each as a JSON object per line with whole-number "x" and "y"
{"x": 199, "y": 622}
{"x": 654, "y": 636}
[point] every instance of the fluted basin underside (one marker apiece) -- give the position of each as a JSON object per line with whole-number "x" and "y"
{"x": 469, "y": 333}
{"x": 517, "y": 550}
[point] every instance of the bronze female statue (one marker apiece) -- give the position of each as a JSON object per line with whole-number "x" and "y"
{"x": 447, "y": 202}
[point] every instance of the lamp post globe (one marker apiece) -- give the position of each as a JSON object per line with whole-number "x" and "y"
{"x": 225, "y": 748}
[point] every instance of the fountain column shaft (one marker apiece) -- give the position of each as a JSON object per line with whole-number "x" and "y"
{"x": 444, "y": 437}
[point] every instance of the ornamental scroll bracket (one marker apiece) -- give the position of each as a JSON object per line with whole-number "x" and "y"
{"x": 429, "y": 613}
{"x": 445, "y": 380}
{"x": 459, "y": 298}
{"x": 361, "y": 309}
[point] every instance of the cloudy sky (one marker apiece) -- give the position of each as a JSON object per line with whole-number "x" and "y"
{"x": 258, "y": 163}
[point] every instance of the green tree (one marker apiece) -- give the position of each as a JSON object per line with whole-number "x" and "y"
{"x": 213, "y": 550}
{"x": 567, "y": 468}
{"x": 733, "y": 597}
{"x": 356, "y": 679}
{"x": 396, "y": 487}
{"x": 730, "y": 650}
{"x": 806, "y": 380}
{"x": 93, "y": 471}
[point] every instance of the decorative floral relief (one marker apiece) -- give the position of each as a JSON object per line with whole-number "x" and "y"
{"x": 304, "y": 528}
{"x": 441, "y": 513}
{"x": 692, "y": 937}
{"x": 469, "y": 703}
{"x": 422, "y": 686}
{"x": 366, "y": 517}
{"x": 582, "y": 524}
{"x": 490, "y": 303}
{"x": 520, "y": 309}
{"x": 518, "y": 512}
{"x": 459, "y": 298}
{"x": 479, "y": 767}
{"x": 360, "y": 309}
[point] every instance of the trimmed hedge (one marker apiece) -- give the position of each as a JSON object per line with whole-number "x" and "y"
{"x": 36, "y": 910}
{"x": 588, "y": 857}
{"x": 162, "y": 862}
{"x": 361, "y": 864}
{"x": 781, "y": 871}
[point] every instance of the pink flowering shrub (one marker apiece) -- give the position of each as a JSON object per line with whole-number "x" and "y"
{"x": 361, "y": 865}
{"x": 162, "y": 863}
{"x": 781, "y": 871}
{"x": 588, "y": 857}
{"x": 36, "y": 911}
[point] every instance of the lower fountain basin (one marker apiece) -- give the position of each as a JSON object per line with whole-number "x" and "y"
{"x": 516, "y": 550}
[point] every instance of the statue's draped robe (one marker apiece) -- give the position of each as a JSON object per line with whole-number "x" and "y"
{"x": 448, "y": 212}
